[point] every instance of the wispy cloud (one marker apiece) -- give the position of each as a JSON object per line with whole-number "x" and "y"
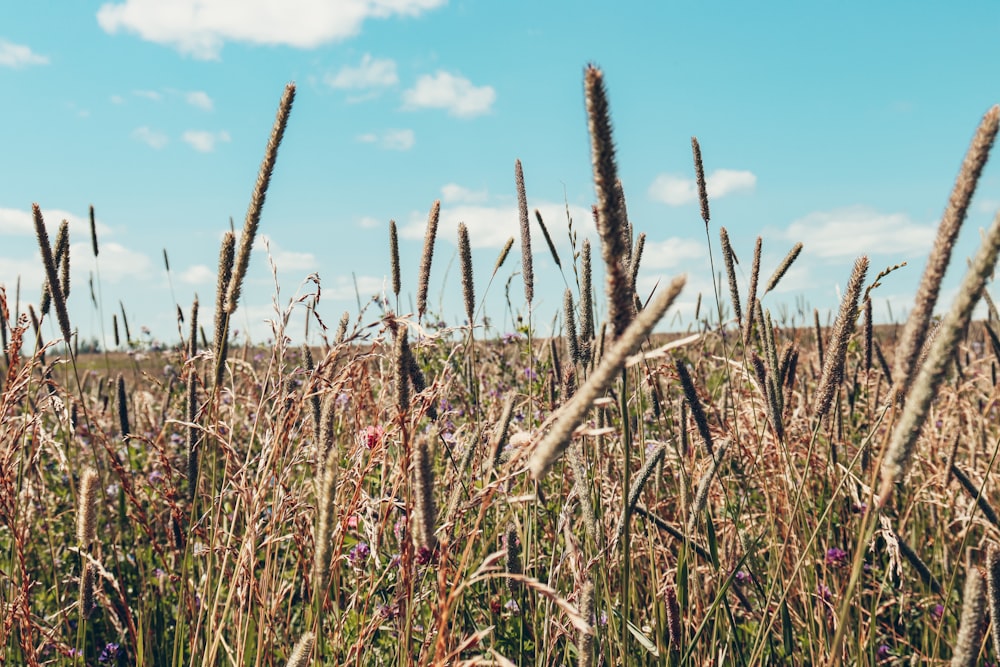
{"x": 370, "y": 73}
{"x": 368, "y": 222}
{"x": 204, "y": 141}
{"x": 677, "y": 190}
{"x": 200, "y": 28}
{"x": 17, "y": 55}
{"x": 671, "y": 253}
{"x": 856, "y": 230}
{"x": 152, "y": 138}
{"x": 453, "y": 192}
{"x": 151, "y": 95}
{"x": 199, "y": 274}
{"x": 18, "y": 222}
{"x": 394, "y": 140}
{"x": 199, "y": 99}
{"x": 451, "y": 92}
{"x": 286, "y": 260}
{"x": 118, "y": 262}
{"x": 490, "y": 225}
{"x": 348, "y": 288}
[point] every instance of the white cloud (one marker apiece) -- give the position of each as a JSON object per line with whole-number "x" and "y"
{"x": 671, "y": 253}
{"x": 491, "y": 225}
{"x": 204, "y": 141}
{"x": 17, "y": 222}
{"x": 371, "y": 73}
{"x": 857, "y": 230}
{"x": 199, "y": 274}
{"x": 368, "y": 222}
{"x": 456, "y": 94}
{"x": 393, "y": 140}
{"x": 452, "y": 192}
{"x": 18, "y": 55}
{"x": 200, "y": 99}
{"x": 398, "y": 140}
{"x": 200, "y": 27}
{"x": 286, "y": 260}
{"x": 150, "y": 95}
{"x": 117, "y": 99}
{"x": 677, "y": 190}
{"x": 152, "y": 138}
{"x": 118, "y": 263}
{"x": 343, "y": 288}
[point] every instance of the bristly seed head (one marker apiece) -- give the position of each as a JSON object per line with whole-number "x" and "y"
{"x": 527, "y": 272}
{"x": 699, "y": 170}
{"x": 86, "y": 516}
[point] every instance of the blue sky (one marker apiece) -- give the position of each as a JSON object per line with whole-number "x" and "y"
{"x": 841, "y": 125}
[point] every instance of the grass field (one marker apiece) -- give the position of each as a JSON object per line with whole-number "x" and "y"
{"x": 753, "y": 490}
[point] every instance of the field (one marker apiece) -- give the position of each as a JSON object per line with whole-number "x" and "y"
{"x": 754, "y": 490}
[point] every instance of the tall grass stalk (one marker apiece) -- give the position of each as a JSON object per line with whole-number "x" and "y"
{"x": 915, "y": 330}
{"x": 899, "y": 454}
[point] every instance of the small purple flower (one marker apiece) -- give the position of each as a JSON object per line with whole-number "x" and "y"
{"x": 884, "y": 652}
{"x": 824, "y": 592}
{"x": 530, "y": 374}
{"x": 743, "y": 577}
{"x": 109, "y": 653}
{"x": 359, "y": 554}
{"x": 937, "y": 611}
{"x": 835, "y": 557}
{"x": 511, "y": 606}
{"x": 155, "y": 477}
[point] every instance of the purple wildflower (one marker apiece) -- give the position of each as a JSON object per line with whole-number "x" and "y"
{"x": 835, "y": 557}
{"x": 359, "y": 554}
{"x": 109, "y": 653}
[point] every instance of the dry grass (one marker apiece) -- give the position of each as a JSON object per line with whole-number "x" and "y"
{"x": 391, "y": 498}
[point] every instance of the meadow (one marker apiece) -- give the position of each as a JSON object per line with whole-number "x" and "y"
{"x": 761, "y": 488}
